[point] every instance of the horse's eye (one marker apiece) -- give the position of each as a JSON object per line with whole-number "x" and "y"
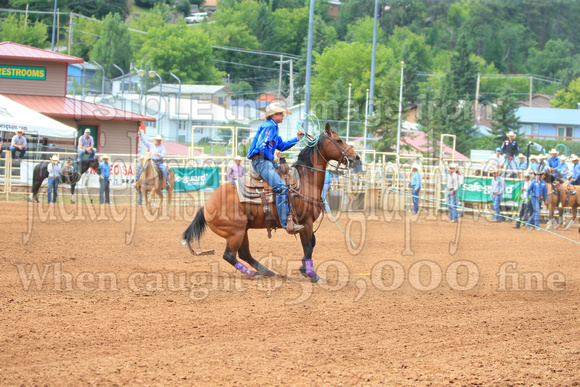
{"x": 339, "y": 141}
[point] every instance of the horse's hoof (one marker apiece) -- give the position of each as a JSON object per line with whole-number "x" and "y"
{"x": 72, "y": 202}
{"x": 303, "y": 271}
{"x": 268, "y": 273}
{"x": 258, "y": 275}
{"x": 315, "y": 279}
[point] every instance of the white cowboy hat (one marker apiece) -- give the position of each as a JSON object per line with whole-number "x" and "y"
{"x": 542, "y": 157}
{"x": 511, "y": 134}
{"x": 562, "y": 158}
{"x": 105, "y": 157}
{"x": 574, "y": 158}
{"x": 530, "y": 173}
{"x": 538, "y": 173}
{"x": 453, "y": 165}
{"x": 158, "y": 137}
{"x": 521, "y": 156}
{"x": 238, "y": 158}
{"x": 493, "y": 170}
{"x": 19, "y": 131}
{"x": 54, "y": 158}
{"x": 87, "y": 130}
{"x": 553, "y": 151}
{"x": 533, "y": 157}
{"x": 276, "y": 107}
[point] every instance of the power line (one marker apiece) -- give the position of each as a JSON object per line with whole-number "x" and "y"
{"x": 258, "y": 52}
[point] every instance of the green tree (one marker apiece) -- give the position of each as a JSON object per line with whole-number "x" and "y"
{"x": 504, "y": 116}
{"x": 362, "y": 31}
{"x": 555, "y": 56}
{"x": 14, "y": 29}
{"x": 183, "y": 51}
{"x": 113, "y": 46}
{"x": 464, "y": 74}
{"x": 158, "y": 17}
{"x": 291, "y": 29}
{"x": 85, "y": 35}
{"x": 567, "y": 98}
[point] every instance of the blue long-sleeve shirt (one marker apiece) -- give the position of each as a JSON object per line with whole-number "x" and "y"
{"x": 538, "y": 189}
{"x": 576, "y": 172}
{"x": 267, "y": 141}
{"x": 416, "y": 180}
{"x": 159, "y": 149}
{"x": 554, "y": 162}
{"x": 522, "y": 165}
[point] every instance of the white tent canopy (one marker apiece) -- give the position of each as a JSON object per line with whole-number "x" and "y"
{"x": 15, "y": 116}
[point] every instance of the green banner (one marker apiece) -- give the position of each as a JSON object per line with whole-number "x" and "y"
{"x": 196, "y": 179}
{"x": 478, "y": 190}
{"x": 23, "y": 72}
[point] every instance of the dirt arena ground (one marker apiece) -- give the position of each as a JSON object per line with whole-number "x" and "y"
{"x": 112, "y": 298}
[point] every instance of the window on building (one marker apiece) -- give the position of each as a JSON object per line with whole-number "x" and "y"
{"x": 565, "y": 131}
{"x": 150, "y": 124}
{"x": 221, "y": 101}
{"x": 535, "y": 129}
{"x": 183, "y": 125}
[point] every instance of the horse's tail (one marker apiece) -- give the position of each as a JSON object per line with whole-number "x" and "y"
{"x": 194, "y": 232}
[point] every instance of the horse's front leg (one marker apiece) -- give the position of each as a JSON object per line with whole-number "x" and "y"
{"x": 308, "y": 242}
{"x": 72, "y": 193}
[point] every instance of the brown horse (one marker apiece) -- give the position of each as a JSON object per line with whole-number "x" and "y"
{"x": 230, "y": 219}
{"x": 565, "y": 198}
{"x": 152, "y": 179}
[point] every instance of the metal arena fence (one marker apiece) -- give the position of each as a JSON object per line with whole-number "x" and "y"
{"x": 380, "y": 190}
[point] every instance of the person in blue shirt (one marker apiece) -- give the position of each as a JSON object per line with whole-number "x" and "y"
{"x": 104, "y": 180}
{"x": 534, "y": 163}
{"x": 415, "y": 184}
{"x": 554, "y": 161}
{"x": 536, "y": 193}
{"x": 327, "y": 182}
{"x": 511, "y": 166}
{"x": 562, "y": 172}
{"x": 497, "y": 190}
{"x": 54, "y": 169}
{"x": 265, "y": 143}
{"x": 158, "y": 154}
{"x": 575, "y": 176}
{"x": 522, "y": 163}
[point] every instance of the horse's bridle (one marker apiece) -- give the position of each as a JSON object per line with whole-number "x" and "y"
{"x": 342, "y": 152}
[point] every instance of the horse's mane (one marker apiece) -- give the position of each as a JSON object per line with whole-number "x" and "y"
{"x": 305, "y": 155}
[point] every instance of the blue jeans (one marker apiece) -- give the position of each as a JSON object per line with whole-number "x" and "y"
{"x": 82, "y": 152}
{"x": 324, "y": 192}
{"x": 162, "y": 169}
{"x": 415, "y": 193}
{"x": 22, "y": 152}
{"x": 104, "y": 192}
{"x": 526, "y": 210}
{"x": 266, "y": 169}
{"x": 52, "y": 189}
{"x": 535, "y": 218}
{"x": 452, "y": 205}
{"x": 496, "y": 207}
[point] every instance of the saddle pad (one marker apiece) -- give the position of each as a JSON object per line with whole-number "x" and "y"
{"x": 251, "y": 185}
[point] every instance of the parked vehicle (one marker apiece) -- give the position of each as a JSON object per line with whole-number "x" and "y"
{"x": 196, "y": 17}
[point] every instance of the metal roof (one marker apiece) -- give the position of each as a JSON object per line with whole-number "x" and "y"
{"x": 16, "y": 51}
{"x": 549, "y": 116}
{"x": 73, "y": 108}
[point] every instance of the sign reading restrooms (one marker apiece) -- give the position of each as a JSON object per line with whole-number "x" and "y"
{"x": 22, "y": 72}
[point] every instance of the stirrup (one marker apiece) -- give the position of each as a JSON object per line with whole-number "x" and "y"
{"x": 292, "y": 228}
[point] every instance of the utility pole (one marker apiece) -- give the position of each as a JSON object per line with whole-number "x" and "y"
{"x": 531, "y": 88}
{"x": 70, "y": 32}
{"x": 372, "y": 91}
{"x": 291, "y": 96}
{"x": 53, "y": 25}
{"x": 280, "y": 77}
{"x": 477, "y": 116}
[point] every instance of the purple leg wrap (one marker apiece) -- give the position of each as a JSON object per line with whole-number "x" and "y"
{"x": 309, "y": 267}
{"x": 243, "y": 269}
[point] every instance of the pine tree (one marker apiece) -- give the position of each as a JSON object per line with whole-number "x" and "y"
{"x": 114, "y": 45}
{"x": 504, "y": 116}
{"x": 463, "y": 70}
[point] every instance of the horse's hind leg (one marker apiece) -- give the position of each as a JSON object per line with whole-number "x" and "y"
{"x": 244, "y": 253}
{"x": 573, "y": 212}
{"x": 233, "y": 245}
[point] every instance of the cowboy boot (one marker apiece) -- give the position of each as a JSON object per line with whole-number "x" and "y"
{"x": 292, "y": 228}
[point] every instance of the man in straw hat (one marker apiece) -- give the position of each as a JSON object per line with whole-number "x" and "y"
{"x": 536, "y": 193}
{"x": 18, "y": 144}
{"x": 104, "y": 180}
{"x": 415, "y": 184}
{"x": 575, "y": 176}
{"x": 86, "y": 144}
{"x": 553, "y": 161}
{"x": 54, "y": 169}
{"x": 451, "y": 194}
{"x": 158, "y": 153}
{"x": 534, "y": 163}
{"x": 261, "y": 152}
{"x": 497, "y": 190}
{"x": 236, "y": 170}
{"x": 522, "y": 163}
{"x": 526, "y": 208}
{"x": 510, "y": 145}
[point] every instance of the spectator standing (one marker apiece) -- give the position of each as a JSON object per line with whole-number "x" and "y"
{"x": 54, "y": 169}
{"x": 537, "y": 192}
{"x": 415, "y": 184}
{"x": 497, "y": 190}
{"x": 86, "y": 144}
{"x": 496, "y": 160}
{"x": 522, "y": 163}
{"x": 526, "y": 209}
{"x": 18, "y": 144}
{"x": 452, "y": 187}
{"x": 511, "y": 167}
{"x": 575, "y": 176}
{"x": 510, "y": 145}
{"x": 534, "y": 163}
{"x": 236, "y": 170}
{"x": 105, "y": 175}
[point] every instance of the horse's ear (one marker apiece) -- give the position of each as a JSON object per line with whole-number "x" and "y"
{"x": 327, "y": 129}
